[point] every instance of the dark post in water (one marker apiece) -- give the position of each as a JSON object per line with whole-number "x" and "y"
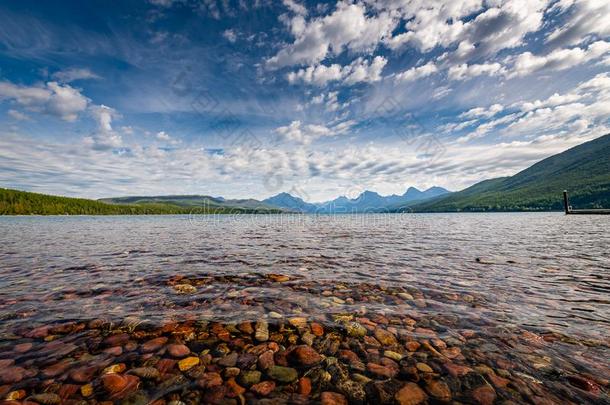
{"x": 566, "y": 205}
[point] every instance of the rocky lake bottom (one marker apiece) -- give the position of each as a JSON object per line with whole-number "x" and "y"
{"x": 405, "y": 309}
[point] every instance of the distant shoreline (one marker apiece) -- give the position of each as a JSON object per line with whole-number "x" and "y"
{"x": 309, "y": 214}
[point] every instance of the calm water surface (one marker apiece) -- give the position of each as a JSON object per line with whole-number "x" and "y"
{"x": 497, "y": 274}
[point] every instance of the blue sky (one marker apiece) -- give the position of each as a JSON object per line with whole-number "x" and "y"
{"x": 320, "y": 99}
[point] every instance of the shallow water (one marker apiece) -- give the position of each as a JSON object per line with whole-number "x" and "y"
{"x": 500, "y": 275}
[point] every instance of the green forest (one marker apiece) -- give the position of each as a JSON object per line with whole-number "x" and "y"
{"x": 584, "y": 171}
{"x": 14, "y": 202}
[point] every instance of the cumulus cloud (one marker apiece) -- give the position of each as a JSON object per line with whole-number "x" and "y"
{"x": 584, "y": 19}
{"x": 72, "y": 74}
{"x": 359, "y": 71}
{"x": 230, "y": 35}
{"x": 306, "y": 134}
{"x": 465, "y": 71}
{"x": 416, "y": 72}
{"x": 329, "y": 100}
{"x": 73, "y": 170}
{"x": 582, "y": 111}
{"x": 347, "y": 27}
{"x": 528, "y": 63}
{"x": 295, "y": 7}
{"x": 498, "y": 25}
{"x": 105, "y": 137}
{"x": 17, "y": 115}
{"x": 53, "y": 98}
{"x": 482, "y": 112}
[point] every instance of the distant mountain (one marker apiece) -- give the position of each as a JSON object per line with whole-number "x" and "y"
{"x": 14, "y": 202}
{"x": 290, "y": 203}
{"x": 367, "y": 201}
{"x": 583, "y": 170}
{"x": 192, "y": 201}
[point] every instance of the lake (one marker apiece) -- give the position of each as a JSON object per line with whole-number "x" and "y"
{"x": 475, "y": 308}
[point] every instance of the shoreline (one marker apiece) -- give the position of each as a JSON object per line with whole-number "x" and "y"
{"x": 242, "y": 349}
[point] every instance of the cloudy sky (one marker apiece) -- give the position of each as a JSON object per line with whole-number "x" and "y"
{"x": 250, "y": 98}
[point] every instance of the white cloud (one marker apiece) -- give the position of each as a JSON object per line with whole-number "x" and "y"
{"x": 359, "y": 71}
{"x": 443, "y": 23}
{"x": 329, "y": 100}
{"x": 72, "y": 74}
{"x": 482, "y": 112}
{"x": 584, "y": 19}
{"x": 417, "y": 72}
{"x": 306, "y": 134}
{"x": 105, "y": 136}
{"x": 163, "y": 136}
{"x": 295, "y": 7}
{"x": 19, "y": 116}
{"x": 230, "y": 36}
{"x": 580, "y": 112}
{"x": 75, "y": 170}
{"x": 348, "y": 27}
{"x": 527, "y": 63}
{"x": 55, "y": 99}
{"x": 465, "y": 71}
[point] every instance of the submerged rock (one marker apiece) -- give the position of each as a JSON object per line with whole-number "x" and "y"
{"x": 283, "y": 374}
{"x": 261, "y": 331}
{"x": 411, "y": 394}
{"x": 306, "y": 356}
{"x": 332, "y": 398}
{"x": 263, "y": 388}
{"x": 188, "y": 363}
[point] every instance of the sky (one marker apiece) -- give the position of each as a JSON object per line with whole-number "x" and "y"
{"x": 246, "y": 99}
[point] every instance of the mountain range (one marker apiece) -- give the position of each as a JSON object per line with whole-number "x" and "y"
{"x": 367, "y": 201}
{"x": 583, "y": 170}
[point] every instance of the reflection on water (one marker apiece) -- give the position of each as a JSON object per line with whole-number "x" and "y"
{"x": 525, "y": 295}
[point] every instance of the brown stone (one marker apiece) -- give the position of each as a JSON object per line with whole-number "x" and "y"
{"x": 304, "y": 386}
{"x": 410, "y": 394}
{"x": 246, "y": 327}
{"x": 114, "y": 351}
{"x": 154, "y": 344}
{"x": 10, "y": 375}
{"x": 484, "y": 395}
{"x": 439, "y": 390}
{"x": 317, "y": 329}
{"x": 583, "y": 383}
{"x": 6, "y": 363}
{"x": 498, "y": 381}
{"x": 306, "y": 356}
{"x": 265, "y": 360}
{"x": 381, "y": 371}
{"x": 332, "y": 398}
{"x": 385, "y": 337}
{"x": 56, "y": 369}
{"x": 45, "y": 399}
{"x": 67, "y": 390}
{"x": 452, "y": 352}
{"x": 114, "y": 383}
{"x": 165, "y": 365}
{"x": 263, "y": 388}
{"x": 177, "y": 350}
{"x": 116, "y": 340}
{"x": 209, "y": 380}
{"x": 348, "y": 356}
{"x": 83, "y": 374}
{"x": 39, "y": 332}
{"x": 214, "y": 395}
{"x": 23, "y": 347}
{"x": 456, "y": 370}
{"x": 234, "y": 389}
